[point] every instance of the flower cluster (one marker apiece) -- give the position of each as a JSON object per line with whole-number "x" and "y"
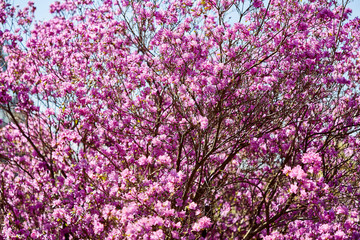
{"x": 169, "y": 120}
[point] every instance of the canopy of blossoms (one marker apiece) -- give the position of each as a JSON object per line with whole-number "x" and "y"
{"x": 180, "y": 119}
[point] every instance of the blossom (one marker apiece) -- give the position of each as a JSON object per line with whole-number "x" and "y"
{"x": 175, "y": 234}
{"x": 293, "y": 188}
{"x": 98, "y": 227}
{"x": 151, "y": 119}
{"x": 225, "y": 209}
{"x": 297, "y": 173}
{"x": 342, "y": 210}
{"x": 257, "y": 3}
{"x": 325, "y": 228}
{"x": 164, "y": 159}
{"x": 274, "y": 236}
{"x": 59, "y": 213}
{"x": 202, "y": 223}
{"x": 34, "y": 234}
{"x": 311, "y": 158}
{"x": 340, "y": 235}
{"x": 286, "y": 170}
{"x": 203, "y": 122}
{"x": 159, "y": 234}
{"x": 192, "y": 206}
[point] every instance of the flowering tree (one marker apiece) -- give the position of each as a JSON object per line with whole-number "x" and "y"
{"x": 180, "y": 119}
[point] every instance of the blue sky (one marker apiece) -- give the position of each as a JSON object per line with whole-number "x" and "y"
{"x": 42, "y": 11}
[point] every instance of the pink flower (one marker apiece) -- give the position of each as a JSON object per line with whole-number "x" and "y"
{"x": 225, "y": 209}
{"x": 202, "y": 223}
{"x": 257, "y": 3}
{"x": 192, "y": 206}
{"x": 293, "y": 188}
{"x": 298, "y": 173}
{"x": 203, "y": 122}
{"x": 340, "y": 235}
{"x": 159, "y": 234}
{"x": 35, "y": 234}
{"x": 286, "y": 170}
{"x": 314, "y": 159}
{"x": 175, "y": 235}
{"x": 303, "y": 193}
{"x": 58, "y": 213}
{"x": 311, "y": 158}
{"x": 342, "y": 210}
{"x": 274, "y": 236}
{"x": 98, "y": 227}
{"x": 325, "y": 228}
{"x": 142, "y": 161}
{"x": 164, "y": 159}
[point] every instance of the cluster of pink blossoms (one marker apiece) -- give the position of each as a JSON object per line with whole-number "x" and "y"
{"x": 180, "y": 119}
